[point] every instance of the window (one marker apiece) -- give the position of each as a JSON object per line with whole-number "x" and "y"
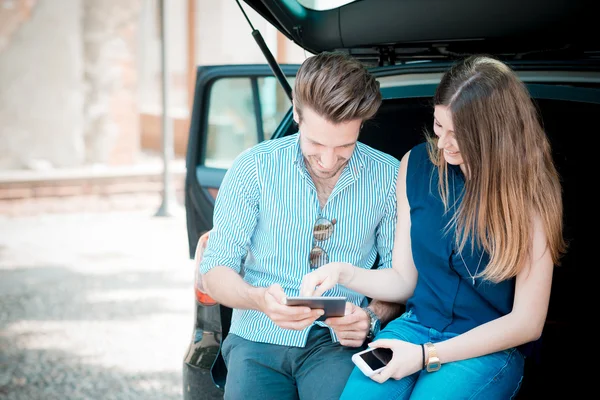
{"x": 242, "y": 113}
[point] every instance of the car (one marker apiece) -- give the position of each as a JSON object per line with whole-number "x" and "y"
{"x": 407, "y": 45}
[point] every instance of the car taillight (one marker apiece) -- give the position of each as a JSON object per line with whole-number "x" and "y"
{"x": 203, "y": 298}
{"x": 201, "y": 295}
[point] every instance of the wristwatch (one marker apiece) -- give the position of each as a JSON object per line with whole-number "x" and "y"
{"x": 433, "y": 362}
{"x": 375, "y": 324}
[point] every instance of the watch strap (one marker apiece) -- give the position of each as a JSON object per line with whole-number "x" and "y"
{"x": 432, "y": 362}
{"x": 373, "y": 318}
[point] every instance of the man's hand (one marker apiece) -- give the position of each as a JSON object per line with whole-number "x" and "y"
{"x": 200, "y": 247}
{"x": 272, "y": 302}
{"x": 351, "y": 329}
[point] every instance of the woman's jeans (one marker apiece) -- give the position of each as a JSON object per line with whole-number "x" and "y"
{"x": 494, "y": 376}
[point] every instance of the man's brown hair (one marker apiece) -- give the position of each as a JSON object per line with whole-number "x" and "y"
{"x": 337, "y": 87}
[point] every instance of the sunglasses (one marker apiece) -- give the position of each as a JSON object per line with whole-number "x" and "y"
{"x": 322, "y": 230}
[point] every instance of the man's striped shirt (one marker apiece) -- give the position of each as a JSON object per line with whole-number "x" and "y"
{"x": 263, "y": 225}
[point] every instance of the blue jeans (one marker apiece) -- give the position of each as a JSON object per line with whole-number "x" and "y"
{"x": 494, "y": 376}
{"x": 265, "y": 371}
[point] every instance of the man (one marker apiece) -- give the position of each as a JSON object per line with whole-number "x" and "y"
{"x": 292, "y": 204}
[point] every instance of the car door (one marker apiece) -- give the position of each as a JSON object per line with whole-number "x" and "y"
{"x": 235, "y": 107}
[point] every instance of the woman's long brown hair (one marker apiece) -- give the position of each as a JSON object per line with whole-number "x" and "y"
{"x": 511, "y": 176}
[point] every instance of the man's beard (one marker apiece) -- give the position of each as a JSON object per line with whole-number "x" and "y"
{"x": 321, "y": 175}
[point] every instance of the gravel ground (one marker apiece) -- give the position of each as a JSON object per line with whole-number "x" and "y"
{"x": 94, "y": 306}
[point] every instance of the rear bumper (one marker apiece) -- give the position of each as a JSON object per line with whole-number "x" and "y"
{"x": 198, "y": 384}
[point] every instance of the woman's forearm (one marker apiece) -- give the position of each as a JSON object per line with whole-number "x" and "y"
{"x": 500, "y": 334}
{"x": 381, "y": 284}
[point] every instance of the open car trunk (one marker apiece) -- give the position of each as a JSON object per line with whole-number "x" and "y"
{"x": 382, "y": 32}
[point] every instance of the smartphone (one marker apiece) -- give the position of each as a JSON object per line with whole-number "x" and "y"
{"x": 371, "y": 361}
{"x": 332, "y": 306}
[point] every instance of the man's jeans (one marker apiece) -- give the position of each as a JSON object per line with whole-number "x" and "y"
{"x": 491, "y": 377}
{"x": 264, "y": 371}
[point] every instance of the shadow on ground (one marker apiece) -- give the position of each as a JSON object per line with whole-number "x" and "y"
{"x": 51, "y": 374}
{"x": 59, "y": 293}
{"x": 66, "y": 334}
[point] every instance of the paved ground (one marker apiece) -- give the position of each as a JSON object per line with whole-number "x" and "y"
{"x": 94, "y": 306}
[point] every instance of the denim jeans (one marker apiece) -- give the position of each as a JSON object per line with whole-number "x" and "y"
{"x": 265, "y": 371}
{"x": 490, "y": 377}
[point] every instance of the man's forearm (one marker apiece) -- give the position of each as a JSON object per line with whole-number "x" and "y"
{"x": 386, "y": 311}
{"x": 227, "y": 287}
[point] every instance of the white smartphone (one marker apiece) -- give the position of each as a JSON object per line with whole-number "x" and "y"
{"x": 371, "y": 361}
{"x": 332, "y": 306}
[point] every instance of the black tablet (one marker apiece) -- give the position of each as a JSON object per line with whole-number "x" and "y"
{"x": 333, "y": 306}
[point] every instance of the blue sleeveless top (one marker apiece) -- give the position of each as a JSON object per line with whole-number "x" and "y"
{"x": 445, "y": 297}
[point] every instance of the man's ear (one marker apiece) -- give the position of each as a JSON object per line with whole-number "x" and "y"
{"x": 296, "y": 117}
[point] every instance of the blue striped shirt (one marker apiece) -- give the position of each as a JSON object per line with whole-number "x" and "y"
{"x": 263, "y": 223}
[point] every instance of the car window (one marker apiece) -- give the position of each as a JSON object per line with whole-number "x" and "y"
{"x": 243, "y": 112}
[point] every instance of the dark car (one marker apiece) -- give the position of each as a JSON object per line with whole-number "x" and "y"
{"x": 408, "y": 45}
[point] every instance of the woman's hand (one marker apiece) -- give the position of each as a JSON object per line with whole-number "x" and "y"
{"x": 324, "y": 278}
{"x": 407, "y": 359}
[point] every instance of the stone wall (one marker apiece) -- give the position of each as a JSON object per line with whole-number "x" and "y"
{"x": 68, "y": 85}
{"x": 41, "y": 96}
{"x": 111, "y": 116}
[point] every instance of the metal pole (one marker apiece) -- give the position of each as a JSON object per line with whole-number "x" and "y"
{"x": 169, "y": 202}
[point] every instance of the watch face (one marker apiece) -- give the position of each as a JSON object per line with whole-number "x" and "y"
{"x": 434, "y": 365}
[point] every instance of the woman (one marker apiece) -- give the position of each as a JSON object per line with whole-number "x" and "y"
{"x": 479, "y": 231}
